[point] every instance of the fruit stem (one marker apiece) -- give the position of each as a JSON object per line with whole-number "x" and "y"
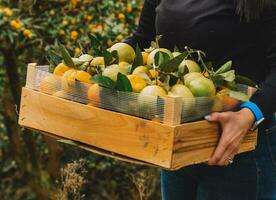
{"x": 154, "y": 68}
{"x": 203, "y": 64}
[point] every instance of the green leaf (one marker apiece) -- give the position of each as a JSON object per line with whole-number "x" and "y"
{"x": 176, "y": 49}
{"x": 245, "y": 81}
{"x": 123, "y": 83}
{"x": 172, "y": 65}
{"x": 238, "y": 95}
{"x": 173, "y": 80}
{"x": 161, "y": 58}
{"x": 103, "y": 81}
{"x": 182, "y": 71}
{"x": 94, "y": 42}
{"x": 230, "y": 85}
{"x": 228, "y": 76}
{"x": 138, "y": 61}
{"x": 224, "y": 68}
{"x": 108, "y": 58}
{"x": 166, "y": 83}
{"x": 115, "y": 56}
{"x": 54, "y": 58}
{"x": 66, "y": 56}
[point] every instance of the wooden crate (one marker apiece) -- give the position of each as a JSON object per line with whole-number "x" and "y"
{"x": 123, "y": 136}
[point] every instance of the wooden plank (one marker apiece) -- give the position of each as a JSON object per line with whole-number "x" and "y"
{"x": 98, "y": 151}
{"x": 172, "y": 110}
{"x": 123, "y": 134}
{"x": 196, "y": 142}
{"x": 31, "y": 74}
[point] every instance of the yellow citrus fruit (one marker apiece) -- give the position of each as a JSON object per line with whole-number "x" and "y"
{"x": 188, "y": 103}
{"x": 153, "y": 73}
{"x": 125, "y": 52}
{"x": 62, "y": 94}
{"x": 145, "y": 57}
{"x": 8, "y": 12}
{"x": 119, "y": 37}
{"x": 113, "y": 70}
{"x": 93, "y": 94}
{"x": 49, "y": 85}
{"x": 152, "y": 54}
{"x": 61, "y": 32}
{"x": 65, "y": 22}
{"x": 83, "y": 76}
{"x": 27, "y": 33}
{"x": 68, "y": 80}
{"x": 123, "y": 64}
{"x": 192, "y": 65}
{"x": 121, "y": 16}
{"x": 148, "y": 100}
{"x": 137, "y": 82}
{"x": 202, "y": 87}
{"x": 141, "y": 69}
{"x": 97, "y": 61}
{"x": 74, "y": 35}
{"x": 60, "y": 69}
{"x": 15, "y": 24}
{"x": 153, "y": 90}
{"x": 159, "y": 83}
{"x": 191, "y": 76}
{"x": 77, "y": 51}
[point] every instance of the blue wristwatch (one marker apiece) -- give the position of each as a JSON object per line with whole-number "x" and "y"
{"x": 256, "y": 111}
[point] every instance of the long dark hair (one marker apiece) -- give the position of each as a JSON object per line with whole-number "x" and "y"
{"x": 253, "y": 9}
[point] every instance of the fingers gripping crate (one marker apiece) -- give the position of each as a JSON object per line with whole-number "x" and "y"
{"x": 163, "y": 141}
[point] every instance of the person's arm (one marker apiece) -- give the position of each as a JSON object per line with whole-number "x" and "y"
{"x": 145, "y": 32}
{"x": 235, "y": 125}
{"x": 265, "y": 98}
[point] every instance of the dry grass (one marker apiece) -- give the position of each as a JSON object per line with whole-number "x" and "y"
{"x": 72, "y": 181}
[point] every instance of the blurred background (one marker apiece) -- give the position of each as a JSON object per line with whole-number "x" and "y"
{"x": 38, "y": 167}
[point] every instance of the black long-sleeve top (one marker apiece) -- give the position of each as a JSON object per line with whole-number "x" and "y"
{"x": 214, "y": 27}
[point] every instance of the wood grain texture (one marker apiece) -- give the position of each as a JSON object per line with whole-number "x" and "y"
{"x": 130, "y": 138}
{"x": 137, "y": 138}
{"x": 196, "y": 142}
{"x": 172, "y": 110}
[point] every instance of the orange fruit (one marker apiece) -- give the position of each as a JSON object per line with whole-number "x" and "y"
{"x": 145, "y": 57}
{"x": 93, "y": 94}
{"x": 123, "y": 64}
{"x": 50, "y": 85}
{"x": 137, "y": 82}
{"x": 153, "y": 73}
{"x": 141, "y": 69}
{"x": 97, "y": 61}
{"x": 60, "y": 69}
{"x": 83, "y": 76}
{"x": 228, "y": 103}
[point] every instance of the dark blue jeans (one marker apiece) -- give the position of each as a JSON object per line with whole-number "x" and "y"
{"x": 252, "y": 176}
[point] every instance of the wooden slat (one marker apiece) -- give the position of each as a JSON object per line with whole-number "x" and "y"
{"x": 195, "y": 143}
{"x": 172, "y": 110}
{"x": 123, "y": 134}
{"x": 98, "y": 151}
